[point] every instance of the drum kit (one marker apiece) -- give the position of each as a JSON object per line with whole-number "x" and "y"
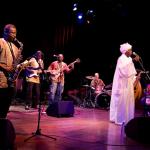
{"x": 96, "y": 100}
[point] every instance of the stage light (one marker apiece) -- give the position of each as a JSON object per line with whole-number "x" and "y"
{"x": 83, "y": 14}
{"x": 90, "y": 16}
{"x": 80, "y": 16}
{"x": 88, "y": 21}
{"x": 75, "y": 7}
{"x": 90, "y": 11}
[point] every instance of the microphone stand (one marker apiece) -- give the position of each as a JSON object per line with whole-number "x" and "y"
{"x": 38, "y": 130}
{"x": 141, "y": 64}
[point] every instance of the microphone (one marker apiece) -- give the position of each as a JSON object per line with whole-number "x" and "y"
{"x": 146, "y": 72}
{"x": 20, "y": 43}
{"x": 135, "y": 54}
{"x": 55, "y": 56}
{"x": 16, "y": 40}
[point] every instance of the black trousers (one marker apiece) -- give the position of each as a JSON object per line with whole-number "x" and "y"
{"x": 32, "y": 94}
{"x": 5, "y": 101}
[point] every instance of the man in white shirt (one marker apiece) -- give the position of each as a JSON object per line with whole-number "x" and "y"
{"x": 122, "y": 103}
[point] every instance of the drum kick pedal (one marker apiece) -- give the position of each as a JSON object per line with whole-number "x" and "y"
{"x": 88, "y": 103}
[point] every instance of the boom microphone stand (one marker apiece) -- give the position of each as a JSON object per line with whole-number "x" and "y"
{"x": 146, "y": 72}
{"x": 38, "y": 130}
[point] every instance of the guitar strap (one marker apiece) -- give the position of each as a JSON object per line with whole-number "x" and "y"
{"x": 60, "y": 68}
{"x": 12, "y": 52}
{"x": 12, "y": 76}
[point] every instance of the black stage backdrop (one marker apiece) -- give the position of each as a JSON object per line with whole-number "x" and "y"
{"x": 52, "y": 27}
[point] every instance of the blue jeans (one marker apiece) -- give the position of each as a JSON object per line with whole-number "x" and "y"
{"x": 56, "y": 90}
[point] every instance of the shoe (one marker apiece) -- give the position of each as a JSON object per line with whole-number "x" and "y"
{"x": 26, "y": 107}
{"x": 120, "y": 124}
{"x": 112, "y": 121}
{"x": 44, "y": 112}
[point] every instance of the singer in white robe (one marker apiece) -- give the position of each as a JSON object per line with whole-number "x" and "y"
{"x": 122, "y": 103}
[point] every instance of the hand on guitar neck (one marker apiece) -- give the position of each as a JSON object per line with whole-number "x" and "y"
{"x": 72, "y": 64}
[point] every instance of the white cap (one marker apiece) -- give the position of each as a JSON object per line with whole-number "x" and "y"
{"x": 125, "y": 47}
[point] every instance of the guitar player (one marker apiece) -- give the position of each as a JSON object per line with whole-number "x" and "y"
{"x": 57, "y": 71}
{"x": 35, "y": 65}
{"x": 9, "y": 53}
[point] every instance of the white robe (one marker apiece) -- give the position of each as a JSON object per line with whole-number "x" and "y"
{"x": 122, "y": 103}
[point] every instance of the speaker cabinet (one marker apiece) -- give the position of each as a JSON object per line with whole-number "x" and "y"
{"x": 139, "y": 129}
{"x": 61, "y": 109}
{"x": 7, "y": 134}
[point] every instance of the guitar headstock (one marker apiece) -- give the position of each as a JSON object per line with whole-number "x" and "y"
{"x": 78, "y": 60}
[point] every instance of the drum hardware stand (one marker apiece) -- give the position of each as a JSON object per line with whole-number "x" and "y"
{"x": 38, "y": 130}
{"x": 146, "y": 72}
{"x": 87, "y": 100}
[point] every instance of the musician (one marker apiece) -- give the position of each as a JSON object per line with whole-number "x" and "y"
{"x": 57, "y": 70}
{"x": 32, "y": 72}
{"x": 122, "y": 102}
{"x": 97, "y": 84}
{"x": 145, "y": 100}
{"x": 9, "y": 54}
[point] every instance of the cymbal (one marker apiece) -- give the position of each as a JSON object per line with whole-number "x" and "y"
{"x": 89, "y": 77}
{"x": 86, "y": 85}
{"x": 108, "y": 86}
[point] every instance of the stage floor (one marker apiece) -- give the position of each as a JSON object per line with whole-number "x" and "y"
{"x": 88, "y": 129}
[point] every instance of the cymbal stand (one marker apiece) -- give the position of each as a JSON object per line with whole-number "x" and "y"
{"x": 87, "y": 102}
{"x": 142, "y": 66}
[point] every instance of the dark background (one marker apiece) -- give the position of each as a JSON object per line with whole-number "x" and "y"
{"x": 52, "y": 27}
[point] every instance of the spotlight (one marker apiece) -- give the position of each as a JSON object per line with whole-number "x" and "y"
{"x": 80, "y": 16}
{"x": 75, "y": 7}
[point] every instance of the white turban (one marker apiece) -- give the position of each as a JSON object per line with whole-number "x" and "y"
{"x": 125, "y": 47}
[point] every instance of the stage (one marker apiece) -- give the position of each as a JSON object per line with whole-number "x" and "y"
{"x": 88, "y": 129}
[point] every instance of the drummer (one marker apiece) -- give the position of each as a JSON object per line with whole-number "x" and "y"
{"x": 97, "y": 84}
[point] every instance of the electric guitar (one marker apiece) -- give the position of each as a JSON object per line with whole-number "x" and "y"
{"x": 36, "y": 72}
{"x": 14, "y": 73}
{"x": 54, "y": 74}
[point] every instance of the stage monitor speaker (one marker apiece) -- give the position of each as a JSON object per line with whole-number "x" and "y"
{"x": 139, "y": 129}
{"x": 7, "y": 134}
{"x": 61, "y": 109}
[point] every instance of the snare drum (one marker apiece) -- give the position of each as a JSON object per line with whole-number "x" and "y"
{"x": 103, "y": 100}
{"x": 98, "y": 90}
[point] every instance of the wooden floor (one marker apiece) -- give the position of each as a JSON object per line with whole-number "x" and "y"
{"x": 88, "y": 129}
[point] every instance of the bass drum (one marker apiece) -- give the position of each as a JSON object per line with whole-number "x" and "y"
{"x": 103, "y": 100}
